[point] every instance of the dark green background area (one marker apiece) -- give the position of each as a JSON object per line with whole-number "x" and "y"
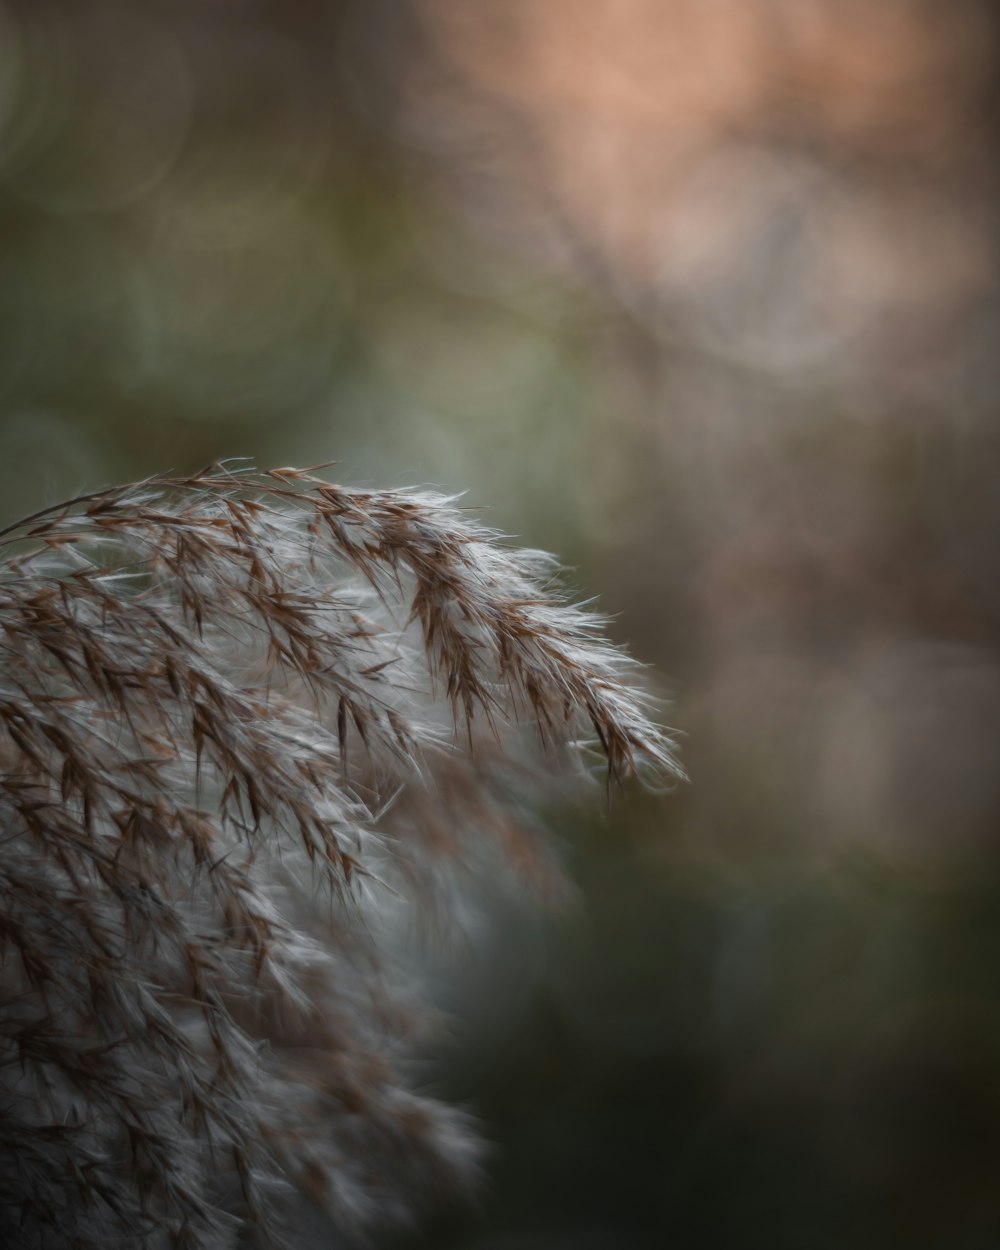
{"x": 735, "y": 363}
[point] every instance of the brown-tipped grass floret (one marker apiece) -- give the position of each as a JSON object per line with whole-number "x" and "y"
{"x": 239, "y": 712}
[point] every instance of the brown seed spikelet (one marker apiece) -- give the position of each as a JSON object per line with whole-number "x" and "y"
{"x": 237, "y": 711}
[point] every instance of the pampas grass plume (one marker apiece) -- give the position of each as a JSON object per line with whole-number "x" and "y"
{"x": 239, "y": 712}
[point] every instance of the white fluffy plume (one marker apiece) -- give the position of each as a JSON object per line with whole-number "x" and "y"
{"x": 236, "y": 711}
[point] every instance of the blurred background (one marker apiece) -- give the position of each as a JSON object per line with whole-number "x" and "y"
{"x": 705, "y": 296}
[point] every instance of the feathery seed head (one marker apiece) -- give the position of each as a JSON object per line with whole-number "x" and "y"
{"x": 236, "y": 710}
